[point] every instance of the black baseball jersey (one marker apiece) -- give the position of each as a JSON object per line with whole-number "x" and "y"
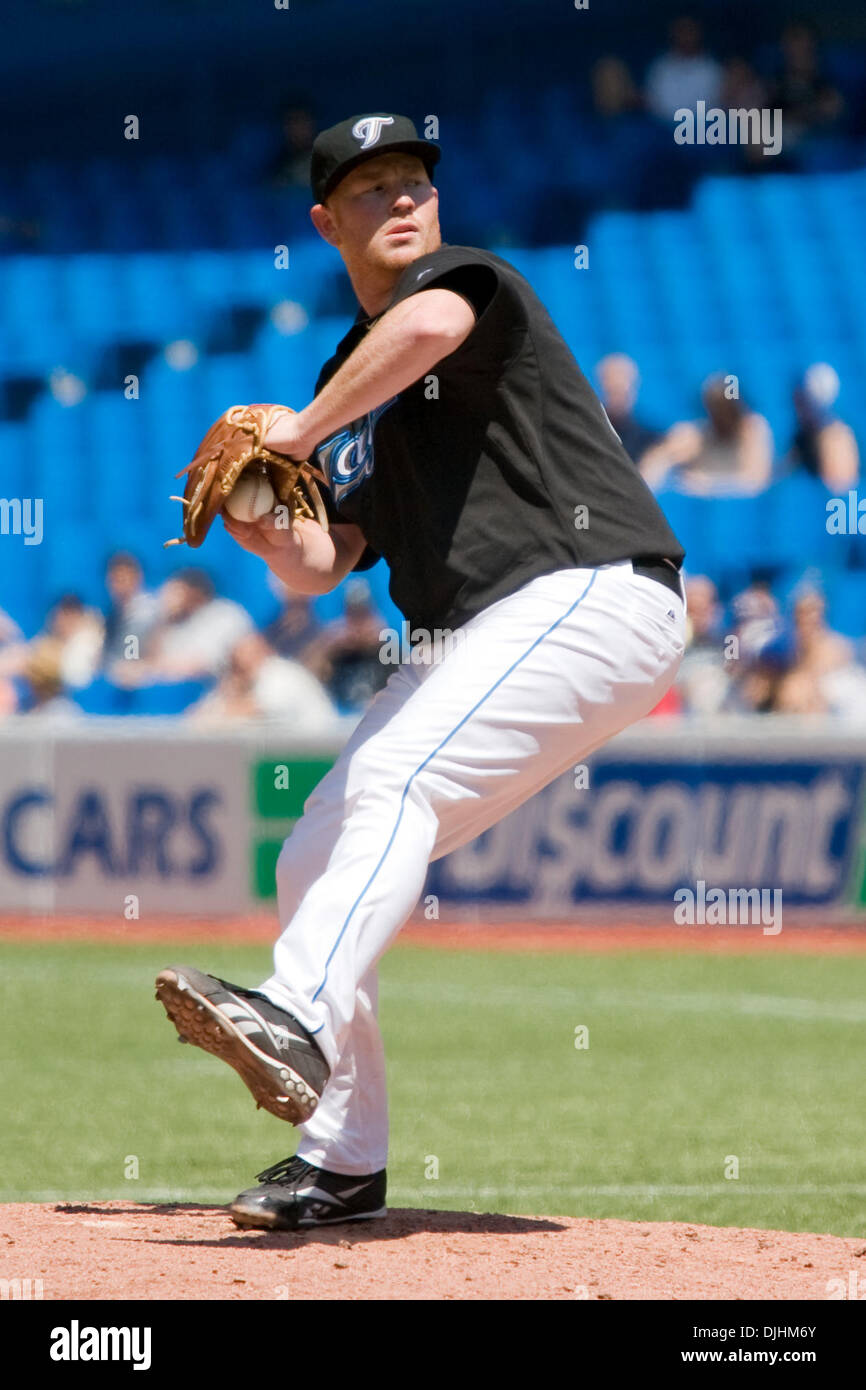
{"x": 497, "y": 467}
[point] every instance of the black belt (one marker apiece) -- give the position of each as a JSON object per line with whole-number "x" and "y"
{"x": 663, "y": 570}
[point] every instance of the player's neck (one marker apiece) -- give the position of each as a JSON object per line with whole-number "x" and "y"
{"x": 374, "y": 285}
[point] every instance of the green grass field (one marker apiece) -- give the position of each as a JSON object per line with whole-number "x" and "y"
{"x": 691, "y": 1059}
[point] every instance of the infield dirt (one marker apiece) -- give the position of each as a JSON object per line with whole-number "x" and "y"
{"x": 119, "y": 1250}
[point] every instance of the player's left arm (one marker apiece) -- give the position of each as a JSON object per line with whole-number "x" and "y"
{"x": 404, "y": 345}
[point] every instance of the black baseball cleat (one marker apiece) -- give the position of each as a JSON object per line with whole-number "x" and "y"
{"x": 293, "y": 1195}
{"x": 271, "y": 1051}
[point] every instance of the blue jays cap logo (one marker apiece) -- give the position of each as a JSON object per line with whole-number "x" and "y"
{"x": 369, "y": 128}
{"x": 343, "y": 147}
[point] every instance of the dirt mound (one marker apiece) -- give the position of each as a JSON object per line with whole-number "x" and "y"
{"x": 122, "y": 1250}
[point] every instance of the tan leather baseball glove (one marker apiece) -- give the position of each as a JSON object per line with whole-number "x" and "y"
{"x": 232, "y": 445}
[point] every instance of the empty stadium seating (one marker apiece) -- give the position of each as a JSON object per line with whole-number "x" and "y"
{"x": 758, "y": 276}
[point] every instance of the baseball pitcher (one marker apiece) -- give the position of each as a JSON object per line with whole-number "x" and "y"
{"x": 453, "y": 434}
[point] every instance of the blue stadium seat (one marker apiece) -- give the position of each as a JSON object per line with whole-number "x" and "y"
{"x": 31, "y": 290}
{"x": 15, "y": 473}
{"x": 90, "y": 286}
{"x": 121, "y": 480}
{"x": 209, "y": 280}
{"x": 228, "y": 379}
{"x": 103, "y": 697}
{"x": 57, "y": 435}
{"x": 183, "y": 219}
{"x": 175, "y": 698}
{"x": 72, "y": 559}
{"x": 33, "y": 315}
{"x": 736, "y": 531}
{"x": 846, "y": 601}
{"x": 153, "y": 303}
{"x": 797, "y": 530}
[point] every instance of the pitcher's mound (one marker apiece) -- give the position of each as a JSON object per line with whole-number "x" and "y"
{"x": 130, "y": 1251}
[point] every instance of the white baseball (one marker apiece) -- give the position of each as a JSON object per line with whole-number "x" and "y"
{"x": 251, "y": 498}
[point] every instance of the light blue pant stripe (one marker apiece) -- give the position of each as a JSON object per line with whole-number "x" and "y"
{"x": 420, "y": 768}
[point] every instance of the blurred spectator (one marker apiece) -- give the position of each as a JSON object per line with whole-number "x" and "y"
{"x": 704, "y": 675}
{"x": 8, "y": 698}
{"x": 259, "y": 684}
{"x": 619, "y": 380}
{"x": 844, "y": 692}
{"x": 614, "y": 92}
{"x": 728, "y": 454}
{"x": 824, "y": 677}
{"x": 132, "y": 612}
{"x": 807, "y": 98}
{"x": 195, "y": 632}
{"x": 347, "y": 656}
{"x": 291, "y": 166}
{"x": 758, "y": 622}
{"x": 760, "y": 654}
{"x": 12, "y": 650}
{"x": 34, "y": 676}
{"x": 296, "y": 627}
{"x": 742, "y": 87}
{"x": 19, "y": 233}
{"x": 743, "y": 90}
{"x": 615, "y": 164}
{"x": 685, "y": 74}
{"x": 43, "y": 681}
{"x": 823, "y": 445}
{"x": 78, "y": 632}
{"x": 10, "y": 632}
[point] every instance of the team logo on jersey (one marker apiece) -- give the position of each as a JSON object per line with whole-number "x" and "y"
{"x": 347, "y": 458}
{"x": 369, "y": 128}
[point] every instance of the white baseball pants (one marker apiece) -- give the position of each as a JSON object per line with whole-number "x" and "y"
{"x": 533, "y": 684}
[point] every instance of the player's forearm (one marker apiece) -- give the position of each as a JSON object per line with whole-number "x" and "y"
{"x": 398, "y": 350}
{"x": 307, "y": 559}
{"x": 388, "y": 360}
{"x": 316, "y": 562}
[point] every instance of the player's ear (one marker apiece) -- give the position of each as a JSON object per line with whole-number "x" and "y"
{"x": 323, "y": 222}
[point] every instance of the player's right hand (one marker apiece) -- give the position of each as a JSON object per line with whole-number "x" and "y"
{"x": 264, "y": 537}
{"x": 304, "y": 556}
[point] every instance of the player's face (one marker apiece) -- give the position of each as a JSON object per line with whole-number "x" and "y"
{"x": 385, "y": 214}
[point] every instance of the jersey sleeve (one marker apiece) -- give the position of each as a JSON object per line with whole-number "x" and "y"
{"x": 458, "y": 268}
{"x": 500, "y": 317}
{"x": 472, "y": 280}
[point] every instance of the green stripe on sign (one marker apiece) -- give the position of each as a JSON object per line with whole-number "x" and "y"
{"x": 857, "y": 883}
{"x": 264, "y": 868}
{"x": 282, "y": 785}
{"x": 860, "y": 880}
